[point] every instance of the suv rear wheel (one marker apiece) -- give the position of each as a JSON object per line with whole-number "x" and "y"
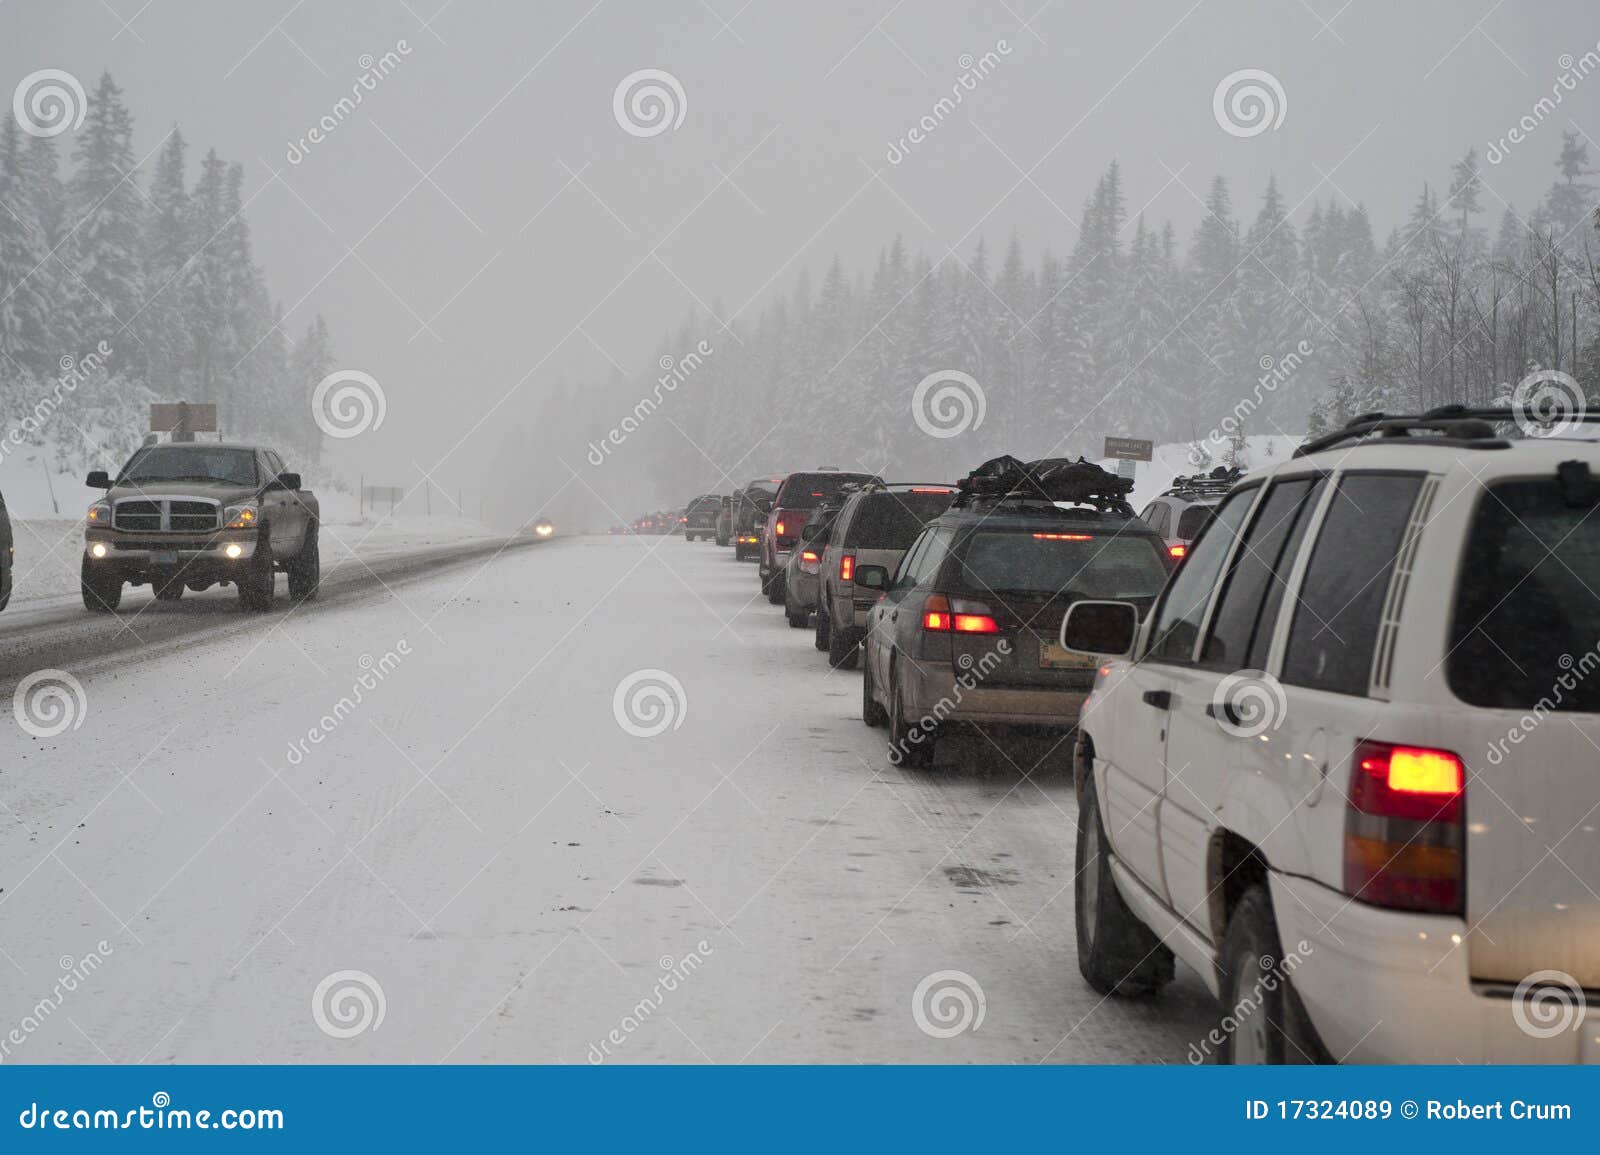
{"x": 1268, "y": 1025}
{"x": 843, "y": 646}
{"x": 872, "y": 714}
{"x": 1117, "y": 953}
{"x": 824, "y": 623}
{"x": 912, "y": 742}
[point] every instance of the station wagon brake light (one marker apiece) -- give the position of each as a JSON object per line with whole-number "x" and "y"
{"x": 1063, "y": 537}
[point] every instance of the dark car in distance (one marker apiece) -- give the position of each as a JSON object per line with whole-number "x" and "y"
{"x": 189, "y": 515}
{"x": 798, "y": 496}
{"x": 700, "y": 517}
{"x": 7, "y": 554}
{"x": 750, "y": 507}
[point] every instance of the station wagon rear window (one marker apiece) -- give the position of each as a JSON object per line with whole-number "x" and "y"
{"x": 1527, "y": 617}
{"x": 1053, "y": 560}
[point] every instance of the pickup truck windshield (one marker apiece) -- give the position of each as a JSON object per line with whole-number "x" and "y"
{"x": 161, "y": 463}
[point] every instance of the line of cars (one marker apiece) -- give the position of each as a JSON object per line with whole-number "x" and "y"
{"x": 1334, "y": 724}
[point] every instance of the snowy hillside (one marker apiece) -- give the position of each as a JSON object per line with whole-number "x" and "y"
{"x": 1173, "y": 460}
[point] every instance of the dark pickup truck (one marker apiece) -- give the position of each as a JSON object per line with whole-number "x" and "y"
{"x": 189, "y": 515}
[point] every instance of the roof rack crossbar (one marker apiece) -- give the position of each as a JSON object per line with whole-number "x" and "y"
{"x": 1459, "y": 425}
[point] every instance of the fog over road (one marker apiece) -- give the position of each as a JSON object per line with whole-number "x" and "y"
{"x": 484, "y": 846}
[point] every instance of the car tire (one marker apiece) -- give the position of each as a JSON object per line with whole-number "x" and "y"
{"x": 1277, "y": 1029}
{"x": 914, "y": 754}
{"x": 872, "y": 713}
{"x": 798, "y": 619}
{"x": 1117, "y": 953}
{"x": 305, "y": 571}
{"x": 258, "y": 584}
{"x": 824, "y": 627}
{"x": 102, "y": 592}
{"x": 774, "y": 589}
{"x": 170, "y": 590}
{"x": 843, "y": 647}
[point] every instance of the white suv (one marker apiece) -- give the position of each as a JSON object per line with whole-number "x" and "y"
{"x": 1348, "y": 767}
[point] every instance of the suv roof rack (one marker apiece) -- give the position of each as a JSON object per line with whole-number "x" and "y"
{"x": 1044, "y": 485}
{"x": 1213, "y": 484}
{"x": 1463, "y": 426}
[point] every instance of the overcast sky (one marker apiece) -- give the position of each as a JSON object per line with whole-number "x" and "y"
{"x": 482, "y": 227}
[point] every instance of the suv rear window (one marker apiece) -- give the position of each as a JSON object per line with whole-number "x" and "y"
{"x": 893, "y": 520}
{"x": 1192, "y": 520}
{"x": 1526, "y": 601}
{"x": 1056, "y": 560}
{"x": 809, "y": 490}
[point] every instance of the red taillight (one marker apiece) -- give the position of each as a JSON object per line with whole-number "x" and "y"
{"x": 1063, "y": 537}
{"x": 1177, "y": 551}
{"x": 808, "y": 555}
{"x": 779, "y": 528}
{"x": 1404, "y": 829}
{"x": 847, "y": 568}
{"x": 928, "y": 489}
{"x": 940, "y": 615}
{"x": 976, "y": 624}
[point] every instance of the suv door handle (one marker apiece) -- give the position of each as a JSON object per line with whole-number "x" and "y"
{"x": 895, "y": 617}
{"x": 1160, "y": 699}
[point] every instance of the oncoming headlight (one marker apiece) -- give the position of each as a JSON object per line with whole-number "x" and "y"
{"x": 99, "y": 513}
{"x": 241, "y": 516}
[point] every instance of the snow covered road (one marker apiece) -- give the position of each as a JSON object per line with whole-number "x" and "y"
{"x": 420, "y": 826}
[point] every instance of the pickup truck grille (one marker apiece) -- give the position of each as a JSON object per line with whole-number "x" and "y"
{"x": 154, "y": 515}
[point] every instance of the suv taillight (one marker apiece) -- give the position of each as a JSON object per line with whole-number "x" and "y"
{"x": 942, "y": 615}
{"x": 1405, "y": 827}
{"x": 810, "y": 561}
{"x": 779, "y": 529}
{"x": 847, "y": 568}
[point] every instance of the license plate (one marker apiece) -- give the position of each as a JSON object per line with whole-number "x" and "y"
{"x": 164, "y": 557}
{"x": 1055, "y": 657}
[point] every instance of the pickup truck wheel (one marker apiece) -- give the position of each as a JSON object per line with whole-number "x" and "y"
{"x": 1117, "y": 953}
{"x": 102, "y": 592}
{"x": 872, "y": 713}
{"x": 257, "y": 584}
{"x": 1265, "y": 1021}
{"x": 305, "y": 571}
{"x": 777, "y": 587}
{"x": 905, "y": 750}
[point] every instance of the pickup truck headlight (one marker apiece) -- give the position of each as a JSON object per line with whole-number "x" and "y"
{"x": 99, "y": 513}
{"x": 241, "y": 516}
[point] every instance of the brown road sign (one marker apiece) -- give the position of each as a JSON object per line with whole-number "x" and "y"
{"x": 1129, "y": 448}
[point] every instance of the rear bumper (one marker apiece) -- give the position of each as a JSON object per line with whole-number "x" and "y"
{"x": 1387, "y": 986}
{"x": 944, "y": 693}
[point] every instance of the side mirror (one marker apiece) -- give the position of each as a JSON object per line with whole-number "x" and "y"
{"x": 872, "y": 577}
{"x": 289, "y": 481}
{"x": 1106, "y": 629}
{"x": 98, "y": 479}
